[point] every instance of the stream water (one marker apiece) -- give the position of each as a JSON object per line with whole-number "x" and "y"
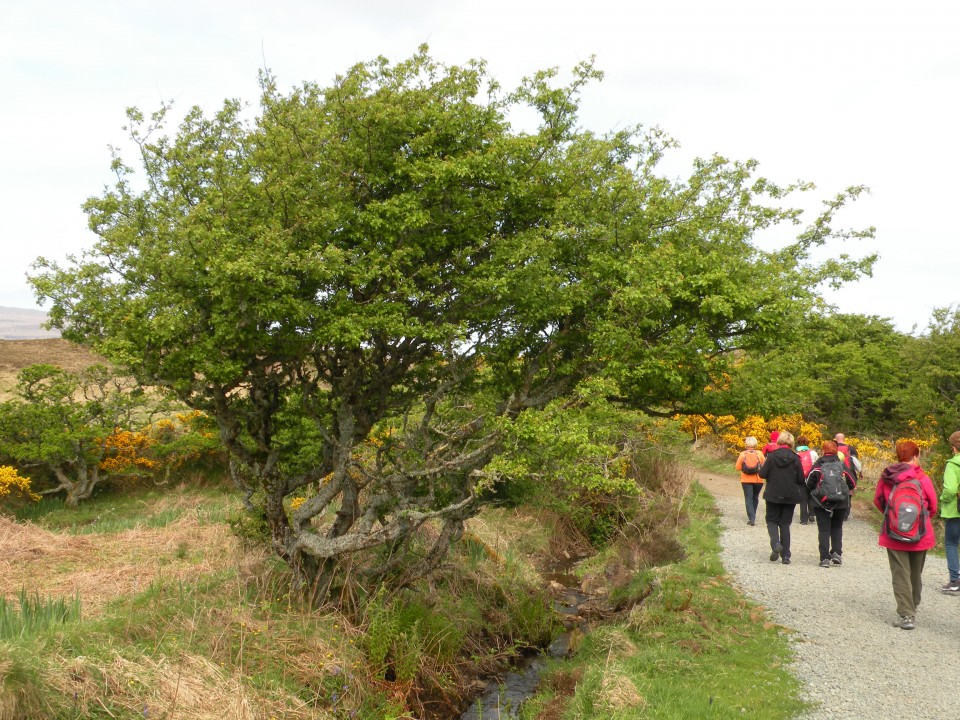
{"x": 504, "y": 695}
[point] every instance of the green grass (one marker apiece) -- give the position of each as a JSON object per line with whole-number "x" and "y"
{"x": 692, "y": 648}
{"x": 116, "y": 512}
{"x": 32, "y": 615}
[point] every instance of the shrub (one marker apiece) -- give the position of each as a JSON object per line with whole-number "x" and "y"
{"x": 13, "y": 484}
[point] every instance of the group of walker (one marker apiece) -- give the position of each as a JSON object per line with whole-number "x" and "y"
{"x": 822, "y": 484}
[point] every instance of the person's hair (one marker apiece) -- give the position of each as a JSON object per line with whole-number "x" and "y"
{"x": 829, "y": 447}
{"x": 839, "y": 438}
{"x": 955, "y": 440}
{"x": 802, "y": 440}
{"x": 907, "y": 450}
{"x": 750, "y": 442}
{"x": 785, "y": 438}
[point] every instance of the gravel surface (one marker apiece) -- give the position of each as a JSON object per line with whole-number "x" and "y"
{"x": 852, "y": 661}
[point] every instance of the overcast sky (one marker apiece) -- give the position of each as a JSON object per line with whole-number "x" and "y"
{"x": 837, "y": 93}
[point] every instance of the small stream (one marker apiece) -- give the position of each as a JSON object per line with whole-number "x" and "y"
{"x": 504, "y": 695}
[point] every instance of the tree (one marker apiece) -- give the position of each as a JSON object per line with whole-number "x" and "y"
{"x": 934, "y": 385}
{"x": 843, "y": 371}
{"x": 69, "y": 424}
{"x": 368, "y": 282}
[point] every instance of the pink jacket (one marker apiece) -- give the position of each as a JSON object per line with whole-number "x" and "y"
{"x": 882, "y": 495}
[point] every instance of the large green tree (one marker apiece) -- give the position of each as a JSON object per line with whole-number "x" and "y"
{"x": 367, "y": 284}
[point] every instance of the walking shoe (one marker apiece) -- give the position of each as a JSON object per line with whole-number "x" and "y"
{"x": 786, "y": 561}
{"x": 951, "y": 588}
{"x": 825, "y": 562}
{"x": 775, "y": 555}
{"x": 837, "y": 560}
{"x": 905, "y": 622}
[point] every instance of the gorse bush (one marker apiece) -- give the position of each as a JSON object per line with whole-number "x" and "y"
{"x": 14, "y": 484}
{"x": 730, "y": 432}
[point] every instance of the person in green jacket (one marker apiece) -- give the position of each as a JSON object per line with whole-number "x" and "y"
{"x": 950, "y": 512}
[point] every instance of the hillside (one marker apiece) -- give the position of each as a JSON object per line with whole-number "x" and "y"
{"x": 24, "y": 324}
{"x": 18, "y": 354}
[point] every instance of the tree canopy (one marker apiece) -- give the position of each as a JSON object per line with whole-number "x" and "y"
{"x": 368, "y": 283}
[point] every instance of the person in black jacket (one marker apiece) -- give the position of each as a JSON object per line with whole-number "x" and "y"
{"x": 784, "y": 475}
{"x": 830, "y": 514}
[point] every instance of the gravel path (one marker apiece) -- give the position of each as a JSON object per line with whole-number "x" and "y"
{"x": 852, "y": 661}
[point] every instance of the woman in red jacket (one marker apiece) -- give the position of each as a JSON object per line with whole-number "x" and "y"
{"x": 907, "y": 557}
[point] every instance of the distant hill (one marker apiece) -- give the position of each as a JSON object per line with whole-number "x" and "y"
{"x": 23, "y": 324}
{"x": 18, "y": 354}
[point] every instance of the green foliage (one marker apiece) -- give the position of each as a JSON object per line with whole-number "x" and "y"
{"x": 35, "y": 615}
{"x": 844, "y": 371}
{"x": 583, "y": 456}
{"x": 934, "y": 387}
{"x": 251, "y": 527}
{"x": 60, "y": 421}
{"x": 388, "y": 252}
{"x": 186, "y": 442}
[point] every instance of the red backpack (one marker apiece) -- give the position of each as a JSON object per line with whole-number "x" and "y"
{"x": 845, "y": 449}
{"x": 805, "y": 462}
{"x": 905, "y": 517}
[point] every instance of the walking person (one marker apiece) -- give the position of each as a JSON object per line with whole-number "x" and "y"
{"x": 772, "y": 444}
{"x": 748, "y": 464}
{"x": 907, "y": 498}
{"x": 784, "y": 475}
{"x": 848, "y": 453}
{"x": 830, "y": 485}
{"x": 950, "y": 512}
{"x": 807, "y": 458}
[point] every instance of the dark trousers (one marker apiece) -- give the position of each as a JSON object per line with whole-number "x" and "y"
{"x": 778, "y": 517}
{"x": 830, "y": 531}
{"x": 806, "y": 506}
{"x": 751, "y": 498}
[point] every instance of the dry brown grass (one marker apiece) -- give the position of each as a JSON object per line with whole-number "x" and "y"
{"x": 18, "y": 354}
{"x": 102, "y": 567}
{"x": 188, "y": 687}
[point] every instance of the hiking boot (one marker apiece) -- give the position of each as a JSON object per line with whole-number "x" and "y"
{"x": 951, "y": 588}
{"x": 905, "y": 623}
{"x": 786, "y": 561}
{"x": 836, "y": 559}
{"x": 825, "y": 562}
{"x": 775, "y": 555}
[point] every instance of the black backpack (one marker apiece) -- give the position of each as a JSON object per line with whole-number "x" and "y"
{"x": 831, "y": 490}
{"x": 750, "y": 469}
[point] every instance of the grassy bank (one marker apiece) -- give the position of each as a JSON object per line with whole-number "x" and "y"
{"x": 171, "y": 616}
{"x": 148, "y": 605}
{"x": 691, "y": 646}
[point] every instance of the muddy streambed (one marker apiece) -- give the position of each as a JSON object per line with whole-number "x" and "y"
{"x": 504, "y": 695}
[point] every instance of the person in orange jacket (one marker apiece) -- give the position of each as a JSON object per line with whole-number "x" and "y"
{"x": 748, "y": 464}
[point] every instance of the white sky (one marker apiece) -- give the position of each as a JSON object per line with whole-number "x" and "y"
{"x": 837, "y": 93}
